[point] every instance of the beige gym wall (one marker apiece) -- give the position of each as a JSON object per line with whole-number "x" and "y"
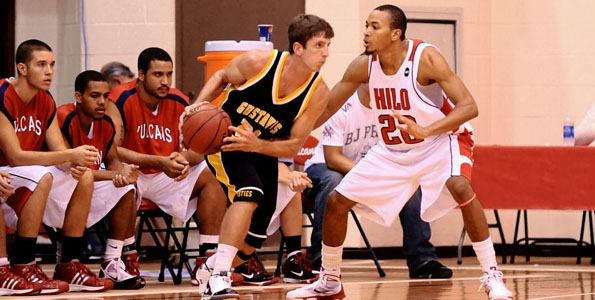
{"x": 526, "y": 62}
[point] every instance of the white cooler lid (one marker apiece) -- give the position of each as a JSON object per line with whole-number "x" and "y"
{"x": 218, "y": 46}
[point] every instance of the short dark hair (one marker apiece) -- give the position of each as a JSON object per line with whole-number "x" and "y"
{"x": 303, "y": 27}
{"x": 82, "y": 80}
{"x": 116, "y": 68}
{"x": 26, "y": 48}
{"x": 398, "y": 18}
{"x": 150, "y": 54}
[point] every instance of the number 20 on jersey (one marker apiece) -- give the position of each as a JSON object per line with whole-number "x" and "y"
{"x": 386, "y": 98}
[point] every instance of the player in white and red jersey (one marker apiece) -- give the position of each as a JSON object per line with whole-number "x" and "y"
{"x": 423, "y": 142}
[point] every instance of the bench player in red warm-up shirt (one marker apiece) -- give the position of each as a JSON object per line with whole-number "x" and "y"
{"x": 63, "y": 188}
{"x": 84, "y": 122}
{"x": 146, "y": 113}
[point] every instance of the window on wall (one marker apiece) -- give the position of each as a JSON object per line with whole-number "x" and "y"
{"x": 7, "y": 19}
{"x": 439, "y": 27}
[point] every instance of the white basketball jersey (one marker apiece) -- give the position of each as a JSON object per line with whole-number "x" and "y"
{"x": 352, "y": 127}
{"x": 401, "y": 92}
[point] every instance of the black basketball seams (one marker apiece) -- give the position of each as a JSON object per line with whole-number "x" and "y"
{"x": 216, "y": 135}
{"x": 201, "y": 126}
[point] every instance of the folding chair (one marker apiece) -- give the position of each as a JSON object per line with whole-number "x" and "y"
{"x": 147, "y": 211}
{"x": 304, "y": 154}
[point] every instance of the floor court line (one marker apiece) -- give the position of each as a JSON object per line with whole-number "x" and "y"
{"x": 562, "y": 296}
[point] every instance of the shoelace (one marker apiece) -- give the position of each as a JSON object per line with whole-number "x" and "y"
{"x": 132, "y": 266}
{"x": 485, "y": 278}
{"x": 39, "y": 273}
{"x": 303, "y": 262}
{"x": 322, "y": 284}
{"x": 83, "y": 269}
{"x": 254, "y": 266}
{"x": 119, "y": 267}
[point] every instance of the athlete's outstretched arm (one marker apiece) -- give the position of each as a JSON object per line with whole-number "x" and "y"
{"x": 356, "y": 74}
{"x": 239, "y": 70}
{"x": 434, "y": 68}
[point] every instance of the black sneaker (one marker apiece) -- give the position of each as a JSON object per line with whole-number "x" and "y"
{"x": 316, "y": 263}
{"x": 296, "y": 269}
{"x": 254, "y": 273}
{"x": 429, "y": 270}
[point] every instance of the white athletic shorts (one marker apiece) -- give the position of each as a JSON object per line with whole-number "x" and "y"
{"x": 173, "y": 197}
{"x": 23, "y": 177}
{"x": 105, "y": 197}
{"x": 383, "y": 181}
{"x": 284, "y": 195}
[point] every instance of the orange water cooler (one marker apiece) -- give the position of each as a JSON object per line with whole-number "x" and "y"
{"x": 219, "y": 53}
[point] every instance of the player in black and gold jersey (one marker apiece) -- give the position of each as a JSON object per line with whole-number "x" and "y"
{"x": 273, "y": 99}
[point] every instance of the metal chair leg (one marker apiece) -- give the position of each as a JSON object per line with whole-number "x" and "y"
{"x": 460, "y": 246}
{"x": 361, "y": 230}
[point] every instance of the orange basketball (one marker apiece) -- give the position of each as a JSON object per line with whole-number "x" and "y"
{"x": 204, "y": 129}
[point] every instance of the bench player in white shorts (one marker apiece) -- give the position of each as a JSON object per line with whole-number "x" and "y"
{"x": 424, "y": 141}
{"x": 288, "y": 217}
{"x": 84, "y": 122}
{"x": 145, "y": 115}
{"x": 27, "y": 122}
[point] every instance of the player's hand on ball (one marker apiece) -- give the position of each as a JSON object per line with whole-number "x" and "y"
{"x": 188, "y": 110}
{"x": 244, "y": 139}
{"x": 409, "y": 126}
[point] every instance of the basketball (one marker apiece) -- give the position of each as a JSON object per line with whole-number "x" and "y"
{"x": 205, "y": 128}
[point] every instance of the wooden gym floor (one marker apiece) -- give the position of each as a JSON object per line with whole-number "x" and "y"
{"x": 542, "y": 278}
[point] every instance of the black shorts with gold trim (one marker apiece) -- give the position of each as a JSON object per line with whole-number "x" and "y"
{"x": 251, "y": 177}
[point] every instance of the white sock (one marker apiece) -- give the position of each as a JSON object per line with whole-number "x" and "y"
{"x": 331, "y": 259}
{"x": 113, "y": 249}
{"x": 293, "y": 253}
{"x": 129, "y": 241}
{"x": 210, "y": 262}
{"x": 225, "y": 255}
{"x": 4, "y": 261}
{"x": 208, "y": 239}
{"x": 486, "y": 255}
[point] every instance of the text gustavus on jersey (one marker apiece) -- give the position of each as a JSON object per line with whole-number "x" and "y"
{"x": 27, "y": 123}
{"x": 155, "y": 132}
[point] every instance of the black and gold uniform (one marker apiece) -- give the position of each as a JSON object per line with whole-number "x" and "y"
{"x": 253, "y": 176}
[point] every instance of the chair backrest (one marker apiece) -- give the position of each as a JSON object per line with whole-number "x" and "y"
{"x": 306, "y": 152}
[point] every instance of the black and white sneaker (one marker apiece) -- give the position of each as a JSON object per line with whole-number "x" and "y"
{"x": 296, "y": 269}
{"x": 430, "y": 270}
{"x": 254, "y": 273}
{"x": 115, "y": 269}
{"x": 219, "y": 287}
